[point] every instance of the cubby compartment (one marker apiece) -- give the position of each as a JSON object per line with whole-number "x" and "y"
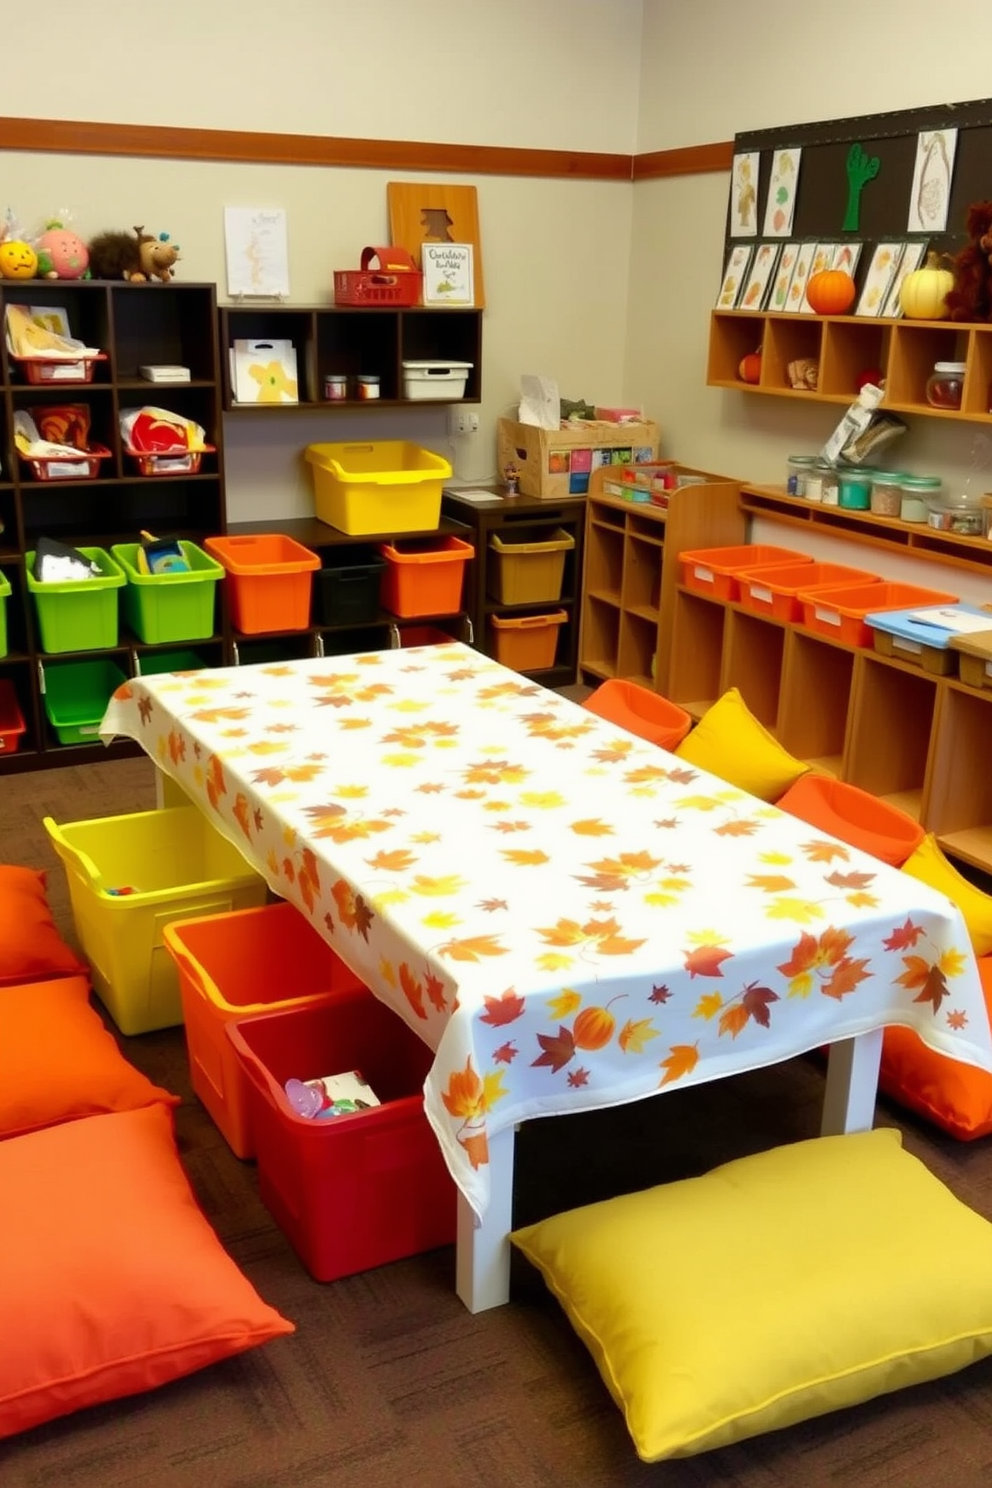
{"x": 88, "y": 316}
{"x": 752, "y": 662}
{"x": 695, "y": 663}
{"x": 788, "y": 339}
{"x": 152, "y": 328}
{"x": 355, "y": 344}
{"x": 958, "y": 804}
{"x": 271, "y": 323}
{"x": 733, "y": 335}
{"x": 817, "y": 677}
{"x": 977, "y": 398}
{"x": 273, "y": 649}
{"x": 107, "y": 511}
{"x": 916, "y": 346}
{"x": 848, "y": 348}
{"x": 891, "y": 723}
{"x": 601, "y": 637}
{"x": 641, "y": 591}
{"x": 604, "y": 562}
{"x": 636, "y": 654}
{"x": 451, "y": 336}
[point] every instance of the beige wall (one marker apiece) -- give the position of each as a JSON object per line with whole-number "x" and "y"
{"x": 709, "y": 71}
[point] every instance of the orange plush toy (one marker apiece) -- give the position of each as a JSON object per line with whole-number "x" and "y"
{"x": 971, "y": 297}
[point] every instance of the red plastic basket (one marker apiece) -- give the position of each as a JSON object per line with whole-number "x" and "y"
{"x": 86, "y": 465}
{"x": 46, "y": 370}
{"x": 169, "y": 462}
{"x": 12, "y": 725}
{"x": 359, "y": 1190}
{"x": 395, "y": 280}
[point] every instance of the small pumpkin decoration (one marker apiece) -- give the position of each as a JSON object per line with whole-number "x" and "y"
{"x": 749, "y": 367}
{"x": 830, "y": 292}
{"x": 924, "y": 293}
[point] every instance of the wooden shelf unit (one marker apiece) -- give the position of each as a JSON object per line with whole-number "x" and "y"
{"x": 904, "y": 351}
{"x": 631, "y": 572}
{"x": 352, "y": 342}
{"x": 911, "y": 737}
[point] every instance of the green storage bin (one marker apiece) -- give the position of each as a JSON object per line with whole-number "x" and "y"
{"x": 170, "y": 606}
{"x": 4, "y": 596}
{"x": 76, "y": 698}
{"x": 152, "y": 663}
{"x": 78, "y": 614}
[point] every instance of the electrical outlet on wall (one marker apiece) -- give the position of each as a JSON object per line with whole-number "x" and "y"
{"x": 461, "y": 421}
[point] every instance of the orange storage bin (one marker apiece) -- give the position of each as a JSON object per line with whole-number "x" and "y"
{"x": 527, "y": 643}
{"x": 353, "y": 1191}
{"x": 240, "y": 965}
{"x": 857, "y": 818}
{"x": 424, "y": 576}
{"x": 267, "y": 580}
{"x": 775, "y": 590}
{"x": 640, "y": 711}
{"x": 716, "y": 571}
{"x": 840, "y": 613}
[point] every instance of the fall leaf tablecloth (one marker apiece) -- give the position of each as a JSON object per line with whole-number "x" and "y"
{"x": 567, "y": 915}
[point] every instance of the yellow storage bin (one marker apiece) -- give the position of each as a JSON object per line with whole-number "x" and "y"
{"x": 386, "y": 487}
{"x": 526, "y": 568}
{"x": 129, "y": 877}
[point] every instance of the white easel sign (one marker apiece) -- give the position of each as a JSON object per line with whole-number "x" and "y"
{"x": 257, "y": 254}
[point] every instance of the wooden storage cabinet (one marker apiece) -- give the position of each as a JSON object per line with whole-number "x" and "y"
{"x": 522, "y": 519}
{"x": 631, "y": 575}
{"x": 843, "y": 346}
{"x": 958, "y": 798}
{"x": 355, "y": 341}
{"x": 133, "y": 325}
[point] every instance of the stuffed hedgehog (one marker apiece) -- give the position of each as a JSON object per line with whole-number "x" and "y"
{"x": 118, "y": 255}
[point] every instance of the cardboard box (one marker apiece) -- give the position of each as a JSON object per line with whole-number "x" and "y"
{"x": 555, "y": 463}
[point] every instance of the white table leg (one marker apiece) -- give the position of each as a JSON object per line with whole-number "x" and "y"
{"x": 482, "y": 1263}
{"x": 852, "y": 1084}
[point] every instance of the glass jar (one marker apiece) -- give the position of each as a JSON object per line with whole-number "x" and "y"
{"x": 796, "y": 472}
{"x": 918, "y": 493}
{"x": 987, "y": 515}
{"x": 830, "y": 486}
{"x": 945, "y": 385}
{"x": 886, "y": 493}
{"x": 961, "y": 515}
{"x": 368, "y": 387}
{"x": 813, "y": 480}
{"x": 855, "y": 490}
{"x": 335, "y": 388}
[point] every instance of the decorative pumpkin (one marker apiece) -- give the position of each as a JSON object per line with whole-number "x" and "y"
{"x": 749, "y": 367}
{"x": 830, "y": 292}
{"x": 18, "y": 260}
{"x": 924, "y": 292}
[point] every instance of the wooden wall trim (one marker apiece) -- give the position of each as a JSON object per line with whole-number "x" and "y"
{"x": 81, "y": 137}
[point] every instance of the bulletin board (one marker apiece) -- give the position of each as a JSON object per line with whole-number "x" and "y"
{"x": 821, "y": 197}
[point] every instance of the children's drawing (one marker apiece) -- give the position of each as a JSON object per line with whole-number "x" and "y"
{"x": 823, "y": 257}
{"x": 912, "y": 257}
{"x": 845, "y": 257}
{"x": 781, "y": 204}
{"x": 884, "y": 262}
{"x": 861, "y": 168}
{"x": 762, "y": 269}
{"x": 733, "y": 276}
{"x": 744, "y": 195}
{"x": 805, "y": 259}
{"x": 932, "y": 174}
{"x": 779, "y": 299}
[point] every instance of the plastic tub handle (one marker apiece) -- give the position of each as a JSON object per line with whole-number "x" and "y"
{"x": 69, "y": 854}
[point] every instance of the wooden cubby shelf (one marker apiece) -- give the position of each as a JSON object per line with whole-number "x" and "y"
{"x": 904, "y": 351}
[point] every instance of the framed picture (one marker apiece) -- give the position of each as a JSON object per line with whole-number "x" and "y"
{"x": 733, "y": 276}
{"x": 781, "y": 203}
{"x": 884, "y": 262}
{"x": 779, "y": 297}
{"x": 932, "y": 173}
{"x": 744, "y": 195}
{"x": 912, "y": 256}
{"x": 805, "y": 259}
{"x": 420, "y": 214}
{"x": 760, "y": 277}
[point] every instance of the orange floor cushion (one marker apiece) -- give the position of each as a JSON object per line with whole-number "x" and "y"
{"x": 640, "y": 711}
{"x": 857, "y": 818}
{"x": 956, "y": 1097}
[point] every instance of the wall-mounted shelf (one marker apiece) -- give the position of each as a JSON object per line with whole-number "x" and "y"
{"x": 845, "y": 347}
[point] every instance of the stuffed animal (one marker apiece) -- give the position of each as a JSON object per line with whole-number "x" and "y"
{"x": 971, "y": 297}
{"x": 116, "y": 255}
{"x": 61, "y": 254}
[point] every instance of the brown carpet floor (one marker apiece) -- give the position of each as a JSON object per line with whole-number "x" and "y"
{"x": 389, "y": 1383}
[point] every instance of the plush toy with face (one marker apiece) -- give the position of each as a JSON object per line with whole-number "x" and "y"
{"x": 61, "y": 255}
{"x": 18, "y": 259}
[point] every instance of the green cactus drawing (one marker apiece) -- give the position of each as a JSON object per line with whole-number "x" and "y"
{"x": 861, "y": 169}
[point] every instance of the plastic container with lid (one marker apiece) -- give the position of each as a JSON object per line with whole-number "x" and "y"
{"x": 960, "y": 514}
{"x": 818, "y": 476}
{"x": 797, "y": 470}
{"x": 855, "y": 490}
{"x": 945, "y": 385}
{"x": 830, "y": 486}
{"x": 886, "y": 493}
{"x": 918, "y": 491}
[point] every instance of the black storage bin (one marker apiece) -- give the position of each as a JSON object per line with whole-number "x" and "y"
{"x": 347, "y": 592}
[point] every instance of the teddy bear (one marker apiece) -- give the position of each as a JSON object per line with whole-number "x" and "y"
{"x": 116, "y": 255}
{"x": 971, "y": 296}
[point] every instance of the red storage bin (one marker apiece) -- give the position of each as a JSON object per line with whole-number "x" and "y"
{"x": 239, "y": 965}
{"x": 840, "y": 613}
{"x": 640, "y": 711}
{"x": 775, "y": 590}
{"x": 268, "y": 580}
{"x": 857, "y": 818}
{"x": 393, "y": 279}
{"x": 424, "y": 576}
{"x": 715, "y": 571}
{"x": 12, "y": 725}
{"x": 354, "y": 1191}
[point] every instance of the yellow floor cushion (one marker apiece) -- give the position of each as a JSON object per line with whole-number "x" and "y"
{"x": 930, "y": 866}
{"x": 730, "y": 742}
{"x": 775, "y": 1288}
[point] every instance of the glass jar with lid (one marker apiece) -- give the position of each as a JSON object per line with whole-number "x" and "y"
{"x": 855, "y": 490}
{"x": 945, "y": 385}
{"x": 918, "y": 492}
{"x": 796, "y": 472}
{"x": 960, "y": 514}
{"x": 886, "y": 493}
{"x": 830, "y": 485}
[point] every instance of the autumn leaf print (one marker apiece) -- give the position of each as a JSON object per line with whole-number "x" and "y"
{"x": 592, "y": 827}
{"x": 557, "y": 1050}
{"x": 906, "y": 936}
{"x": 506, "y": 1008}
{"x": 145, "y": 704}
{"x": 472, "y": 948}
{"x": 412, "y": 991}
{"x": 824, "y": 958}
{"x": 602, "y": 936}
{"x": 820, "y": 851}
{"x": 636, "y": 1034}
{"x": 682, "y": 1060}
{"x": 927, "y": 977}
{"x": 242, "y": 814}
{"x": 705, "y": 960}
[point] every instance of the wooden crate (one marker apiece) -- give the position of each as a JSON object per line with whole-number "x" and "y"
{"x": 557, "y": 463}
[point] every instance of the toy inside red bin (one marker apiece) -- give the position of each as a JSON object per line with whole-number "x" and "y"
{"x": 162, "y": 442}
